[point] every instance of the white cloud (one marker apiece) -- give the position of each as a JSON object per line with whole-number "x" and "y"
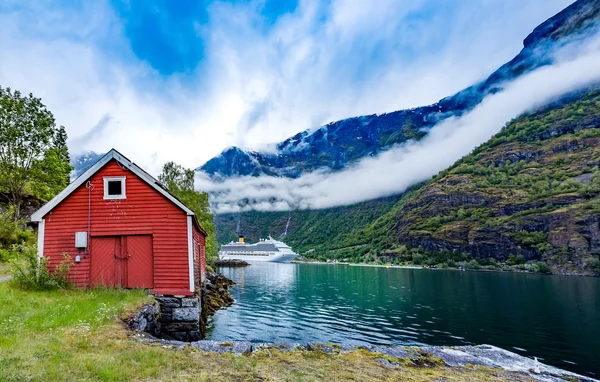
{"x": 397, "y": 169}
{"x": 259, "y": 83}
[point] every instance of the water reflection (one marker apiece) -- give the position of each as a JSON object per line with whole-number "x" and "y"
{"x": 554, "y": 318}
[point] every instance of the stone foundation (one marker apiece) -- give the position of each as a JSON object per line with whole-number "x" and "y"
{"x": 147, "y": 320}
{"x": 179, "y": 318}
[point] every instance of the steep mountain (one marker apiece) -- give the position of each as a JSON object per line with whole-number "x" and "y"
{"x": 533, "y": 190}
{"x": 339, "y": 143}
{"x": 529, "y": 194}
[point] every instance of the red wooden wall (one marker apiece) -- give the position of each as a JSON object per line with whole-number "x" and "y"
{"x": 199, "y": 257}
{"x": 144, "y": 212}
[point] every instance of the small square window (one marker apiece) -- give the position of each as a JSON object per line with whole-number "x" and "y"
{"x": 114, "y": 188}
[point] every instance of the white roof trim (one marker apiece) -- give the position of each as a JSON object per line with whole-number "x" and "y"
{"x": 112, "y": 154}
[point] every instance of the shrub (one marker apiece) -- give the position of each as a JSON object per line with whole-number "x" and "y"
{"x": 36, "y": 275}
{"x": 531, "y": 238}
{"x": 11, "y": 231}
{"x": 595, "y": 264}
{"x": 14, "y": 252}
{"x": 443, "y": 265}
{"x": 417, "y": 259}
{"x": 541, "y": 267}
{"x": 473, "y": 264}
{"x": 515, "y": 260}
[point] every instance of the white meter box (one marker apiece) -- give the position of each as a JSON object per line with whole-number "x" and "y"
{"x": 81, "y": 239}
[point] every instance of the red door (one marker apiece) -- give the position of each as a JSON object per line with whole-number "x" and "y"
{"x": 104, "y": 258}
{"x": 139, "y": 267}
{"x": 122, "y": 261}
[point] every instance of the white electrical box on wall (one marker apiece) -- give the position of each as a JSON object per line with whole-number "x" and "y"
{"x": 81, "y": 239}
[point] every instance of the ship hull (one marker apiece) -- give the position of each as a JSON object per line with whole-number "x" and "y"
{"x": 270, "y": 258}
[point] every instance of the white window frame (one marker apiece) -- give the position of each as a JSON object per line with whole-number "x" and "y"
{"x": 107, "y": 179}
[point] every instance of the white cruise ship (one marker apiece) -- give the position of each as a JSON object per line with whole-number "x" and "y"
{"x": 267, "y": 250}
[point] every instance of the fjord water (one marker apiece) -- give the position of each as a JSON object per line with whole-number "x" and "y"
{"x": 554, "y": 318}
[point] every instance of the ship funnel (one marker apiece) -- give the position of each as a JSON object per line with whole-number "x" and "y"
{"x": 241, "y": 239}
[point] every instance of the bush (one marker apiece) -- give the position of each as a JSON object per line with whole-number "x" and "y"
{"x": 473, "y": 264}
{"x": 12, "y": 232}
{"x": 541, "y": 267}
{"x": 443, "y": 265}
{"x": 515, "y": 260}
{"x": 531, "y": 238}
{"x": 36, "y": 275}
{"x": 417, "y": 259}
{"x": 14, "y": 252}
{"x": 595, "y": 264}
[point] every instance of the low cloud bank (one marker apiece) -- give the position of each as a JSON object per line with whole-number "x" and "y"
{"x": 395, "y": 170}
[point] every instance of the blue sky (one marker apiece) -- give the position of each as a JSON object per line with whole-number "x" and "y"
{"x": 182, "y": 80}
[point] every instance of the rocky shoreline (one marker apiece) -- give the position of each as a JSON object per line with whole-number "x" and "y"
{"x": 215, "y": 295}
{"x": 230, "y": 263}
{"x": 392, "y": 356}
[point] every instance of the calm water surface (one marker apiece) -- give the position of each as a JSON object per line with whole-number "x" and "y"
{"x": 554, "y": 318}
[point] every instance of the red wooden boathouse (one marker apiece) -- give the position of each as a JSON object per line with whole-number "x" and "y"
{"x": 123, "y": 228}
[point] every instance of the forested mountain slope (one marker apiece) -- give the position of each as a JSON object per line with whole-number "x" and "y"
{"x": 532, "y": 190}
{"x": 315, "y": 231}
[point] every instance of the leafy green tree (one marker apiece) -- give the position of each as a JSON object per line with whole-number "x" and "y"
{"x": 180, "y": 182}
{"x": 33, "y": 151}
{"x": 52, "y": 174}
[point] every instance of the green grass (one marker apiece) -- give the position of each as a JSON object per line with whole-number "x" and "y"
{"x": 78, "y": 335}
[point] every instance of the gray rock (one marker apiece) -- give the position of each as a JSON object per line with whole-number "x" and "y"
{"x": 386, "y": 363}
{"x": 140, "y": 324}
{"x": 186, "y": 314}
{"x": 169, "y": 302}
{"x": 180, "y": 327}
{"x": 207, "y": 346}
{"x": 242, "y": 347}
{"x": 180, "y": 336}
{"x": 330, "y": 348}
{"x": 237, "y": 347}
{"x": 189, "y": 302}
{"x": 194, "y": 335}
{"x": 455, "y": 357}
{"x": 506, "y": 360}
{"x": 390, "y": 351}
{"x": 280, "y": 347}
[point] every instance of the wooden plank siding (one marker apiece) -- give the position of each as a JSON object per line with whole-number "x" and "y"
{"x": 199, "y": 257}
{"x": 144, "y": 211}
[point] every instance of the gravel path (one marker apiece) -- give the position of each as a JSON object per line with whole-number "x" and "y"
{"x": 5, "y": 278}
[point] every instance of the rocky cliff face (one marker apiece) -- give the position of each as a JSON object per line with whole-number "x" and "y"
{"x": 339, "y": 143}
{"x": 532, "y": 190}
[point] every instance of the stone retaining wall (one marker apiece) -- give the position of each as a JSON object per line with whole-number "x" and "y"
{"x": 169, "y": 317}
{"x": 180, "y": 317}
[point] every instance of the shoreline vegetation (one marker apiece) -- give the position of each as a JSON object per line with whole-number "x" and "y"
{"x": 528, "y": 269}
{"x": 80, "y": 335}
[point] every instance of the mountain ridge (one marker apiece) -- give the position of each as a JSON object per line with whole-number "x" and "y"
{"x": 338, "y": 144}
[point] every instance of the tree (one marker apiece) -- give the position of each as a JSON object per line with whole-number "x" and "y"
{"x": 33, "y": 151}
{"x": 180, "y": 182}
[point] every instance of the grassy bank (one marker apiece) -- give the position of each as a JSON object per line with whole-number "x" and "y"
{"x": 77, "y": 335}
